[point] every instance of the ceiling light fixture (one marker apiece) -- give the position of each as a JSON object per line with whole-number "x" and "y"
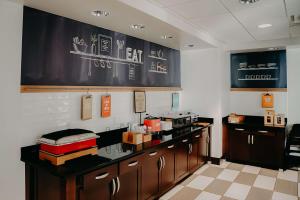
{"x": 264, "y": 25}
{"x": 273, "y": 48}
{"x": 167, "y": 37}
{"x": 248, "y": 1}
{"x": 99, "y": 13}
{"x": 190, "y": 45}
{"x": 137, "y": 26}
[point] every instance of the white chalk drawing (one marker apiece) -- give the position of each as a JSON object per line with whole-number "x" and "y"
{"x": 158, "y": 67}
{"x": 100, "y": 54}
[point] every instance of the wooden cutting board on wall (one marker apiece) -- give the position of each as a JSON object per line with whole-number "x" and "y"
{"x": 86, "y": 107}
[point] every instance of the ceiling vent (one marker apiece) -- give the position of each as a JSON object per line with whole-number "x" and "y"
{"x": 295, "y": 20}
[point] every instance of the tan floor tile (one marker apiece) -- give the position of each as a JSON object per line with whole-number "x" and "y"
{"x": 257, "y": 194}
{"x": 188, "y": 180}
{"x": 226, "y": 198}
{"x": 235, "y": 166}
{"x": 268, "y": 172}
{"x": 286, "y": 187}
{"x": 186, "y": 193}
{"x": 245, "y": 178}
{"x": 218, "y": 187}
{"x": 212, "y": 171}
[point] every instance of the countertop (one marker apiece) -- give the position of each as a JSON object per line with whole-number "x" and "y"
{"x": 111, "y": 150}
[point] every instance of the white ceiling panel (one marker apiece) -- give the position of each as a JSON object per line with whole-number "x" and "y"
{"x": 225, "y": 28}
{"x": 293, "y": 7}
{"x": 199, "y": 8}
{"x": 166, "y": 3}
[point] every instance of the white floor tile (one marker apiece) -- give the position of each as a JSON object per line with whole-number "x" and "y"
{"x": 208, "y": 196}
{"x": 237, "y": 191}
{"x": 228, "y": 175}
{"x": 265, "y": 182}
{"x": 288, "y": 175}
{"x": 224, "y": 164}
{"x": 171, "y": 193}
{"x": 281, "y": 196}
{"x": 201, "y": 182}
{"x": 298, "y": 189}
{"x": 202, "y": 169}
{"x": 251, "y": 169}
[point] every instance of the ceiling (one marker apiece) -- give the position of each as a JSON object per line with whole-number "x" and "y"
{"x": 203, "y": 23}
{"x": 120, "y": 19}
{"x": 232, "y": 22}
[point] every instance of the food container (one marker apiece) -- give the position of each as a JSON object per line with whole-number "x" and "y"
{"x": 166, "y": 125}
{"x": 147, "y": 137}
{"x": 132, "y": 138}
{"x": 152, "y": 124}
{"x": 235, "y": 119}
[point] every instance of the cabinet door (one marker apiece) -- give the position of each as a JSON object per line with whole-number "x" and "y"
{"x": 181, "y": 159}
{"x": 239, "y": 145}
{"x": 100, "y": 184}
{"x": 129, "y": 179}
{"x": 150, "y": 173}
{"x": 265, "y": 148}
{"x": 167, "y": 176}
{"x": 193, "y": 154}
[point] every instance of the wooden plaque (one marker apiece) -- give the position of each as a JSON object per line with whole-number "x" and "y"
{"x": 106, "y": 106}
{"x": 139, "y": 102}
{"x": 267, "y": 100}
{"x": 86, "y": 107}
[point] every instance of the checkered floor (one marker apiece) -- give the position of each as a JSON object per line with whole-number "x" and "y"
{"x": 234, "y": 181}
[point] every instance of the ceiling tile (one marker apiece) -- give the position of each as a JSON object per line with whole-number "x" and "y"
{"x": 199, "y": 8}
{"x": 166, "y": 3}
{"x": 293, "y": 7}
{"x": 225, "y": 28}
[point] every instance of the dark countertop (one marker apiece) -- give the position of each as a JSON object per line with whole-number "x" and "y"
{"x": 253, "y": 122}
{"x": 110, "y": 150}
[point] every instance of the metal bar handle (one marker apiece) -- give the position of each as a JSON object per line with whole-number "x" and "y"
{"x": 164, "y": 161}
{"x": 102, "y": 176}
{"x": 160, "y": 163}
{"x": 118, "y": 184}
{"x": 113, "y": 187}
{"x": 239, "y": 129}
{"x": 197, "y": 136}
{"x": 263, "y": 131}
{"x": 153, "y": 153}
{"x": 171, "y": 146}
{"x": 184, "y": 141}
{"x": 248, "y": 139}
{"x": 252, "y": 139}
{"x": 132, "y": 164}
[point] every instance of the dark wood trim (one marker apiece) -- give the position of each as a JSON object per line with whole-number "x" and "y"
{"x": 71, "y": 188}
{"x": 259, "y": 89}
{"x": 215, "y": 161}
{"x": 50, "y": 88}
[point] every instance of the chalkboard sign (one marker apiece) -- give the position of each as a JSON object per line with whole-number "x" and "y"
{"x": 62, "y": 52}
{"x": 259, "y": 70}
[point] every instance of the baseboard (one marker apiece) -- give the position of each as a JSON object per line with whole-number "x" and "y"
{"x": 215, "y": 161}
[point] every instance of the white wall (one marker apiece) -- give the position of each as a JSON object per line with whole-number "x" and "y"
{"x": 249, "y": 103}
{"x": 205, "y": 88}
{"x": 293, "y": 95}
{"x": 25, "y": 117}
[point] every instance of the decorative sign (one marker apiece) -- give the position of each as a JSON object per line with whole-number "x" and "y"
{"x": 139, "y": 102}
{"x": 267, "y": 100}
{"x": 57, "y": 51}
{"x": 86, "y": 107}
{"x": 259, "y": 70}
{"x": 175, "y": 101}
{"x": 106, "y": 106}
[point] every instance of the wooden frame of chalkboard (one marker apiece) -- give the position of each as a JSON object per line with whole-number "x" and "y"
{"x": 259, "y": 71}
{"x": 64, "y": 55}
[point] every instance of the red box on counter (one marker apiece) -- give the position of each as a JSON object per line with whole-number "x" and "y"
{"x": 67, "y": 148}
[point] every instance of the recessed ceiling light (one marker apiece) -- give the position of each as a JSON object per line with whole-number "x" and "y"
{"x": 191, "y": 45}
{"x": 273, "y": 48}
{"x": 99, "y": 13}
{"x": 137, "y": 26}
{"x": 264, "y": 25}
{"x": 166, "y": 37}
{"x": 248, "y": 1}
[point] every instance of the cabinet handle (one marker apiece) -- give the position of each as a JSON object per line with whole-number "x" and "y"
{"x": 153, "y": 153}
{"x": 263, "y": 131}
{"x": 132, "y": 164}
{"x": 252, "y": 138}
{"x": 249, "y": 139}
{"x": 171, "y": 146}
{"x": 184, "y": 141}
{"x": 197, "y": 136}
{"x": 118, "y": 184}
{"x": 160, "y": 163}
{"x": 113, "y": 187}
{"x": 102, "y": 176}
{"x": 239, "y": 129}
{"x": 191, "y": 148}
{"x": 164, "y": 162}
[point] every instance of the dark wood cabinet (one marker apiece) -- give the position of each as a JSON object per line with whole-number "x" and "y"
{"x": 260, "y": 147}
{"x": 150, "y": 174}
{"x": 193, "y": 153}
{"x": 181, "y": 158}
{"x": 239, "y": 144}
{"x": 100, "y": 184}
{"x": 167, "y": 174}
{"x": 130, "y": 178}
{"x": 203, "y": 148}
